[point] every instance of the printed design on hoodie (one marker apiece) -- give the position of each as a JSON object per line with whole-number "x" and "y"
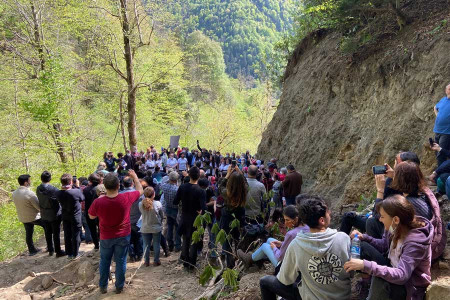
{"x": 326, "y": 269}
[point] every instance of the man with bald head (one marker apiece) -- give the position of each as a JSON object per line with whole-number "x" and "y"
{"x": 442, "y": 124}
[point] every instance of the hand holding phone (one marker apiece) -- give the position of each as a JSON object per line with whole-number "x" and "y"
{"x": 431, "y": 142}
{"x": 379, "y": 170}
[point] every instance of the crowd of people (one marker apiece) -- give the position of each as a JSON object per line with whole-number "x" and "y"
{"x": 136, "y": 204}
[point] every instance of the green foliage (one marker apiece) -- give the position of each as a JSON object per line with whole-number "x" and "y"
{"x": 366, "y": 201}
{"x": 221, "y": 237}
{"x": 215, "y": 229}
{"x": 12, "y": 232}
{"x": 230, "y": 277}
{"x": 208, "y": 273}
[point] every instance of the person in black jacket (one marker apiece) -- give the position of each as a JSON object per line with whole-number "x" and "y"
{"x": 90, "y": 195}
{"x": 70, "y": 199}
{"x": 50, "y": 214}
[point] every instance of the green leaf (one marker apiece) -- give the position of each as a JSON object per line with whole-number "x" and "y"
{"x": 230, "y": 277}
{"x": 196, "y": 237}
{"x": 215, "y": 229}
{"x": 271, "y": 204}
{"x": 235, "y": 224}
{"x": 207, "y": 218}
{"x": 221, "y": 237}
{"x": 208, "y": 273}
{"x": 198, "y": 221}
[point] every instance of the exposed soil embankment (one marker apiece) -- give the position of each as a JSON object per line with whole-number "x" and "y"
{"x": 341, "y": 114}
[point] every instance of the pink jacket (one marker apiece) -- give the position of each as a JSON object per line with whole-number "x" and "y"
{"x": 439, "y": 234}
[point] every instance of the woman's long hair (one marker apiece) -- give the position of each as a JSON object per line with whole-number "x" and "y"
{"x": 408, "y": 178}
{"x": 149, "y": 194}
{"x": 236, "y": 190}
{"x": 399, "y": 206}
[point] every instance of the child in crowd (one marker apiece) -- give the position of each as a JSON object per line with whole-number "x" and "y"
{"x": 152, "y": 216}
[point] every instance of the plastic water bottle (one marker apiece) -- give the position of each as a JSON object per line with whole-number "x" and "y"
{"x": 355, "y": 250}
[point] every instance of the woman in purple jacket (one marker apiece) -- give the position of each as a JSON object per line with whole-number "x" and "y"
{"x": 273, "y": 249}
{"x": 405, "y": 273}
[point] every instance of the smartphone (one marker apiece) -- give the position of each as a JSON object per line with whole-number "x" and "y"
{"x": 431, "y": 141}
{"x": 233, "y": 163}
{"x": 379, "y": 170}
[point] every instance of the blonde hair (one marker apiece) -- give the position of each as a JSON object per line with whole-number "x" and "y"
{"x": 100, "y": 190}
{"x": 149, "y": 194}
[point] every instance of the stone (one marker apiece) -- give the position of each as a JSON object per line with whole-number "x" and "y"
{"x": 437, "y": 291}
{"x": 31, "y": 273}
{"x": 85, "y": 272}
{"x": 443, "y": 265}
{"x": 47, "y": 282}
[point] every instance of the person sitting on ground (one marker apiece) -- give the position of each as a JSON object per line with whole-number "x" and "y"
{"x": 405, "y": 272}
{"x": 70, "y": 199}
{"x": 409, "y": 181}
{"x": 292, "y": 185}
{"x": 152, "y": 216}
{"x": 274, "y": 249}
{"x": 255, "y": 194}
{"x": 318, "y": 255}
{"x": 113, "y": 212}
{"x": 50, "y": 214}
{"x": 27, "y": 207}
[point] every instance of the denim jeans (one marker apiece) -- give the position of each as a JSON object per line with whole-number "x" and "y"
{"x": 380, "y": 289}
{"x": 150, "y": 238}
{"x": 265, "y": 251}
{"x": 29, "y": 229}
{"x": 93, "y": 224}
{"x": 171, "y": 214}
{"x": 119, "y": 248}
{"x": 444, "y": 142}
{"x": 212, "y": 240}
{"x": 271, "y": 287}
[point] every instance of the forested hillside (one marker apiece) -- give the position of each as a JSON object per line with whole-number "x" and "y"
{"x": 247, "y": 29}
{"x": 82, "y": 77}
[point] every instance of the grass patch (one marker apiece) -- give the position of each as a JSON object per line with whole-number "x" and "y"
{"x": 12, "y": 232}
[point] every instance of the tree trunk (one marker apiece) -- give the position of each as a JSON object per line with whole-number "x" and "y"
{"x": 122, "y": 125}
{"x": 128, "y": 55}
{"x": 38, "y": 44}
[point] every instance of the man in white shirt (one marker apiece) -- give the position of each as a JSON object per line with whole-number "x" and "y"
{"x": 182, "y": 163}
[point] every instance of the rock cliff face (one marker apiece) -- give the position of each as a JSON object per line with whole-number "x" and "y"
{"x": 338, "y": 116}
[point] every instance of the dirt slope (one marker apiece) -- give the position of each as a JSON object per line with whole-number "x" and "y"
{"x": 341, "y": 114}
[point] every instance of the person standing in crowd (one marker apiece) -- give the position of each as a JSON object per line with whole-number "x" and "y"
{"x": 256, "y": 191}
{"x": 442, "y": 124}
{"x": 292, "y": 185}
{"x": 27, "y": 207}
{"x": 318, "y": 256}
{"x": 183, "y": 163}
{"x": 169, "y": 191}
{"x": 136, "y": 249}
{"x": 113, "y": 212}
{"x": 50, "y": 214}
{"x": 110, "y": 161}
{"x": 90, "y": 195}
{"x": 172, "y": 162}
{"x": 70, "y": 200}
{"x": 152, "y": 216}
{"x": 192, "y": 199}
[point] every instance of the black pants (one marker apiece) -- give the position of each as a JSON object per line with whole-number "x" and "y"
{"x": 374, "y": 228}
{"x": 444, "y": 142}
{"x": 72, "y": 236}
{"x": 271, "y": 287}
{"x": 136, "y": 245}
{"x": 188, "y": 251}
{"x": 92, "y": 224}
{"x": 352, "y": 219}
{"x": 52, "y": 230}
{"x": 29, "y": 229}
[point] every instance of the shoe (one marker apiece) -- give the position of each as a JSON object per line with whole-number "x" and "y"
{"x": 147, "y": 264}
{"x": 177, "y": 250}
{"x": 103, "y": 290}
{"x": 50, "y": 253}
{"x": 119, "y": 290}
{"x": 166, "y": 254}
{"x": 156, "y": 263}
{"x": 246, "y": 258}
{"x": 70, "y": 257}
{"x": 80, "y": 254}
{"x": 96, "y": 248}
{"x": 60, "y": 254}
{"x": 36, "y": 251}
{"x": 171, "y": 248}
{"x": 138, "y": 258}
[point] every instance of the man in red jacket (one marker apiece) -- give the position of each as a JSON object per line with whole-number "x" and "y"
{"x": 292, "y": 185}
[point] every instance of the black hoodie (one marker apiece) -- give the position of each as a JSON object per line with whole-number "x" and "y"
{"x": 49, "y": 206}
